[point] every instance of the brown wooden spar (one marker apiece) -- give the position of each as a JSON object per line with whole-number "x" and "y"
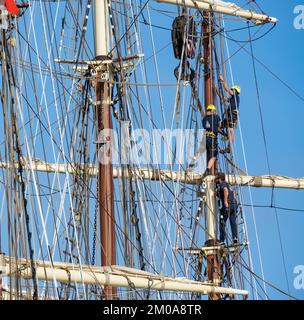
{"x": 213, "y": 266}
{"x": 105, "y": 172}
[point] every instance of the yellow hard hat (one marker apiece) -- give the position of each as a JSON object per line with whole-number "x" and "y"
{"x": 211, "y": 107}
{"x": 237, "y": 89}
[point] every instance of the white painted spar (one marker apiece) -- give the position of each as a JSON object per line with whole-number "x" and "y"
{"x": 222, "y": 7}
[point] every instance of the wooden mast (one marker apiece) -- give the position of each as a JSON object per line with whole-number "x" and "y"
{"x": 105, "y": 172}
{"x": 213, "y": 265}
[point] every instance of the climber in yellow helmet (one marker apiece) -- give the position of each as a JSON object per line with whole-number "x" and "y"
{"x": 212, "y": 126}
{"x": 230, "y": 117}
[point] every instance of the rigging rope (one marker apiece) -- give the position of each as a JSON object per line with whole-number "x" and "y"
{"x": 267, "y": 157}
{"x": 246, "y": 168}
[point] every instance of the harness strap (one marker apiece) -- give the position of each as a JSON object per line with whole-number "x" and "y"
{"x": 210, "y": 134}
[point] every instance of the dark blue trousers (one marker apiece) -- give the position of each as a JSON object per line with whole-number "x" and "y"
{"x": 225, "y": 213}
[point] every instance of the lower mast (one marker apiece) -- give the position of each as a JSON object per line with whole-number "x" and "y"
{"x": 105, "y": 172}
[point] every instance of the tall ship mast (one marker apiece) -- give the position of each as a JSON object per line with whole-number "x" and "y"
{"x": 106, "y": 189}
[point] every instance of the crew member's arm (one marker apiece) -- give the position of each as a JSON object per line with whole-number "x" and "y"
{"x": 227, "y": 89}
{"x": 222, "y": 97}
{"x": 226, "y": 193}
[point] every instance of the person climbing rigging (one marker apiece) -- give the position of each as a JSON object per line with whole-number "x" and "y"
{"x": 212, "y": 126}
{"x": 184, "y": 41}
{"x": 230, "y": 118}
{"x": 228, "y": 209}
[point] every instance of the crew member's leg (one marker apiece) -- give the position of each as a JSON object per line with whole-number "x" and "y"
{"x": 233, "y": 224}
{"x": 212, "y": 152}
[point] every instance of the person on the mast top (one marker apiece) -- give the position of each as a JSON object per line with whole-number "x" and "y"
{"x": 212, "y": 126}
{"x": 230, "y": 118}
{"x": 229, "y": 208}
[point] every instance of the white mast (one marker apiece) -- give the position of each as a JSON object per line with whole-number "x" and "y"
{"x": 101, "y": 28}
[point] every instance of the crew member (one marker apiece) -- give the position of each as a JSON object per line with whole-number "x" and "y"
{"x": 228, "y": 208}
{"x": 212, "y": 126}
{"x": 230, "y": 118}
